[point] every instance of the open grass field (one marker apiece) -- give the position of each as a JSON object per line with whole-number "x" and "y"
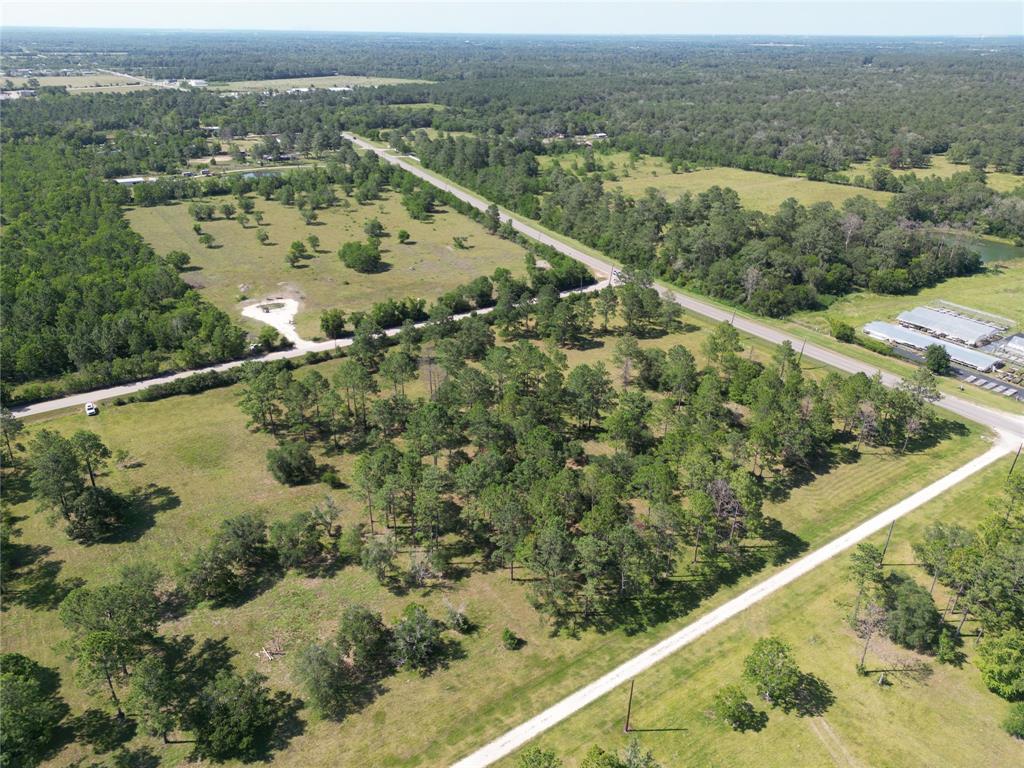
{"x": 761, "y": 191}
{"x": 426, "y": 267}
{"x": 98, "y": 82}
{"x": 200, "y": 465}
{"x": 905, "y": 725}
{"x": 997, "y": 290}
{"x": 328, "y": 81}
{"x": 941, "y": 166}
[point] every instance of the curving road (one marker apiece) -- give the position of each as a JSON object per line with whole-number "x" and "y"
{"x": 990, "y": 417}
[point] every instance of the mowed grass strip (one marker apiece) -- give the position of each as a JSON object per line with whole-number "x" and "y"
{"x": 760, "y": 191}
{"x": 903, "y": 724}
{"x": 239, "y": 265}
{"x": 206, "y": 466}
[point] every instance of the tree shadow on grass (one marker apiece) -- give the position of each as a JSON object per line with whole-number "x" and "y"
{"x": 34, "y": 582}
{"x": 15, "y": 487}
{"x": 814, "y": 696}
{"x": 102, "y": 731}
{"x": 143, "y": 506}
{"x": 938, "y": 430}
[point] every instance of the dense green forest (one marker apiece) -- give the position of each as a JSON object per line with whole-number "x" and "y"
{"x": 813, "y": 105}
{"x": 80, "y": 289}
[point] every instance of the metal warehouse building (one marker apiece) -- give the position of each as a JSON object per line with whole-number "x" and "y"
{"x": 949, "y": 325}
{"x": 896, "y": 334}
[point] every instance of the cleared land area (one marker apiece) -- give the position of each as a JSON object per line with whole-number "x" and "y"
{"x": 941, "y": 166}
{"x": 328, "y": 81}
{"x": 762, "y": 191}
{"x": 906, "y": 723}
{"x": 999, "y": 290}
{"x": 426, "y": 267}
{"x": 199, "y": 465}
{"x": 98, "y": 82}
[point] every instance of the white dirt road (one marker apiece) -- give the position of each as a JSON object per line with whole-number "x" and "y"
{"x": 279, "y": 314}
{"x": 520, "y": 735}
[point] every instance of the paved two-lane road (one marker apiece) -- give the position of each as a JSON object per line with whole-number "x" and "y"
{"x": 1005, "y": 422}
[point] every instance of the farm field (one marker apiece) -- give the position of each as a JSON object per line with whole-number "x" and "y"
{"x": 327, "y": 81}
{"x": 942, "y": 166}
{"x": 426, "y": 267}
{"x": 199, "y": 465}
{"x": 98, "y": 82}
{"x": 904, "y": 724}
{"x": 762, "y": 191}
{"x": 997, "y": 290}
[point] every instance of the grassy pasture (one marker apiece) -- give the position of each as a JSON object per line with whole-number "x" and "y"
{"x": 997, "y": 290}
{"x": 426, "y": 267}
{"x": 205, "y": 466}
{"x": 905, "y": 724}
{"x": 98, "y": 82}
{"x": 761, "y": 191}
{"x": 943, "y": 167}
{"x": 327, "y": 81}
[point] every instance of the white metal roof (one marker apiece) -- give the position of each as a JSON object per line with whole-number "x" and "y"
{"x": 970, "y": 357}
{"x": 948, "y": 324}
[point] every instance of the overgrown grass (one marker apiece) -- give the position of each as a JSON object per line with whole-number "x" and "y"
{"x": 426, "y": 267}
{"x": 948, "y": 719}
{"x": 761, "y": 191}
{"x": 202, "y": 465}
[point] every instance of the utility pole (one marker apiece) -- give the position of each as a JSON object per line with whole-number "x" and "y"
{"x": 629, "y": 706}
{"x": 888, "y": 538}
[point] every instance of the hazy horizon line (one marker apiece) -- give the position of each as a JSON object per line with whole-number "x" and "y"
{"x": 623, "y": 35}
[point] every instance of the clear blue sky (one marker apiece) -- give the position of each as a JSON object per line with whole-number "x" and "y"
{"x": 744, "y": 17}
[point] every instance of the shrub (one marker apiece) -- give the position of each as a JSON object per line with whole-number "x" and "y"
{"x": 912, "y": 621}
{"x": 1013, "y": 723}
{"x": 362, "y": 257}
{"x": 510, "y": 639}
{"x": 731, "y": 706}
{"x": 1001, "y": 661}
{"x": 842, "y": 331}
{"x": 292, "y": 463}
{"x": 418, "y": 643}
{"x": 332, "y": 323}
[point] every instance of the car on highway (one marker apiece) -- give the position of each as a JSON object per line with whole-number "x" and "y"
{"x": 91, "y": 409}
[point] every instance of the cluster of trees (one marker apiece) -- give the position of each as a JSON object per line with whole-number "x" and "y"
{"x": 341, "y": 674}
{"x": 983, "y": 570}
{"x": 633, "y": 756}
{"x": 167, "y": 684}
{"x": 63, "y": 473}
{"x": 493, "y": 455}
{"x": 773, "y": 672}
{"x": 772, "y": 264}
{"x": 90, "y": 295}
